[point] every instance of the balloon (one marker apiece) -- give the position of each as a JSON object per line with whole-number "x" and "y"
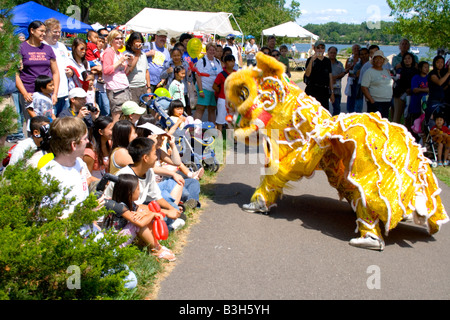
{"x": 46, "y": 158}
{"x": 162, "y": 92}
{"x": 193, "y": 68}
{"x": 203, "y": 52}
{"x": 194, "y": 47}
{"x": 122, "y": 49}
{"x": 159, "y": 227}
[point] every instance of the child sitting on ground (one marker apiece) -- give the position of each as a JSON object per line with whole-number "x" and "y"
{"x": 441, "y": 135}
{"x": 137, "y": 220}
{"x": 42, "y": 98}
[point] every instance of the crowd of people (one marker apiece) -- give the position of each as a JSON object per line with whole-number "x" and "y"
{"x": 402, "y": 90}
{"x": 88, "y": 100}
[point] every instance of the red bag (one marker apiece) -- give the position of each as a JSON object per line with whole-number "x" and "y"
{"x": 159, "y": 226}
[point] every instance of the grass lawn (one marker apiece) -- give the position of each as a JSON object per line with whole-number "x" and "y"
{"x": 443, "y": 174}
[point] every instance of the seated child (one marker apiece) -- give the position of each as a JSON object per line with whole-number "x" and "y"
{"x": 441, "y": 135}
{"x": 137, "y": 220}
{"x": 176, "y": 113}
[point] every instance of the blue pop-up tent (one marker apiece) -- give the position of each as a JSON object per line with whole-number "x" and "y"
{"x": 28, "y": 12}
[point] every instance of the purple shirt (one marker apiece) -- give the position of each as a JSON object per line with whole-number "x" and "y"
{"x": 36, "y": 61}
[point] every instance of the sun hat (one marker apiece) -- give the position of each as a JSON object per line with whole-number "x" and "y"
{"x": 77, "y": 93}
{"x": 162, "y": 33}
{"x": 379, "y": 53}
{"x": 131, "y": 107}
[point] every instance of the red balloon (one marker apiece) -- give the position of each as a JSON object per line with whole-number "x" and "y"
{"x": 160, "y": 230}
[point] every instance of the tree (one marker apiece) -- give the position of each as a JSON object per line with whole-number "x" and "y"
{"x": 422, "y": 21}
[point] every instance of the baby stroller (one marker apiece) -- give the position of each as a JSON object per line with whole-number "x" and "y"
{"x": 428, "y": 124}
{"x": 195, "y": 151}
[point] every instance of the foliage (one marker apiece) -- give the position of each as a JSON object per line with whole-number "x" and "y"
{"x": 345, "y": 33}
{"x": 38, "y": 249}
{"x": 7, "y": 120}
{"x": 423, "y": 21}
{"x": 252, "y": 15}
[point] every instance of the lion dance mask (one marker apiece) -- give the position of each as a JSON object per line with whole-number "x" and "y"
{"x": 375, "y": 165}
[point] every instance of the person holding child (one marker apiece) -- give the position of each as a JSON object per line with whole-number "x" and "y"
{"x": 93, "y": 53}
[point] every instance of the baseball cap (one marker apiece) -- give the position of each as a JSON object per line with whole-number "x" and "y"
{"x": 162, "y": 33}
{"x": 77, "y": 93}
{"x": 318, "y": 43}
{"x": 154, "y": 129}
{"x": 230, "y": 36}
{"x": 131, "y": 107}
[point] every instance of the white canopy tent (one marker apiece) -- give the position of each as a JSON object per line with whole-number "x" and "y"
{"x": 176, "y": 22}
{"x": 289, "y": 29}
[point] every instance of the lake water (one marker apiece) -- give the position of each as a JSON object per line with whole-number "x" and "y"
{"x": 387, "y": 50}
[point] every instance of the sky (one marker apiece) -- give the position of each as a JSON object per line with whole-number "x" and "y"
{"x": 342, "y": 11}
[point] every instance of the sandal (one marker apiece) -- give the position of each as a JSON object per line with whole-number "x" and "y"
{"x": 164, "y": 253}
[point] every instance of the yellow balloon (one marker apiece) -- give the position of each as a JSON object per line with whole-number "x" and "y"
{"x": 122, "y": 49}
{"x": 194, "y": 47}
{"x": 201, "y": 55}
{"x": 162, "y": 92}
{"x": 46, "y": 158}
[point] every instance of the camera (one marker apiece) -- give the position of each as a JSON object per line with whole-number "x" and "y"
{"x": 118, "y": 208}
{"x": 91, "y": 107}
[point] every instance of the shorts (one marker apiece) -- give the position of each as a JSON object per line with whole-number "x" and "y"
{"x": 117, "y": 99}
{"x": 130, "y": 230}
{"x": 208, "y": 100}
{"x": 221, "y": 111}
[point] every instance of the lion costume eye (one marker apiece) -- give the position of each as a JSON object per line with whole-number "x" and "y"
{"x": 244, "y": 93}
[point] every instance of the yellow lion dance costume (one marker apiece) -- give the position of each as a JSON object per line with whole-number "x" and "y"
{"x": 374, "y": 164}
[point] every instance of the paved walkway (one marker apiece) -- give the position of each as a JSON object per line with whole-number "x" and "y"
{"x": 301, "y": 250}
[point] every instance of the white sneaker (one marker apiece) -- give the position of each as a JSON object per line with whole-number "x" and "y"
{"x": 367, "y": 243}
{"x": 178, "y": 223}
{"x": 255, "y": 207}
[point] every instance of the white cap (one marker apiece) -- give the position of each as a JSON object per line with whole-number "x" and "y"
{"x": 77, "y": 93}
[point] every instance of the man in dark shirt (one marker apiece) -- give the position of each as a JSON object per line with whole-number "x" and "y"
{"x": 78, "y": 108}
{"x": 318, "y": 76}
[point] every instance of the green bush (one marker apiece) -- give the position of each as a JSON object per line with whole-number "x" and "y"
{"x": 45, "y": 257}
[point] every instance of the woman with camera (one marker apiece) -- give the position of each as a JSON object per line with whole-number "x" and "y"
{"x": 115, "y": 68}
{"x": 138, "y": 74}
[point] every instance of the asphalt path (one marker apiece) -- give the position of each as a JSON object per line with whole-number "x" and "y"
{"x": 300, "y": 251}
